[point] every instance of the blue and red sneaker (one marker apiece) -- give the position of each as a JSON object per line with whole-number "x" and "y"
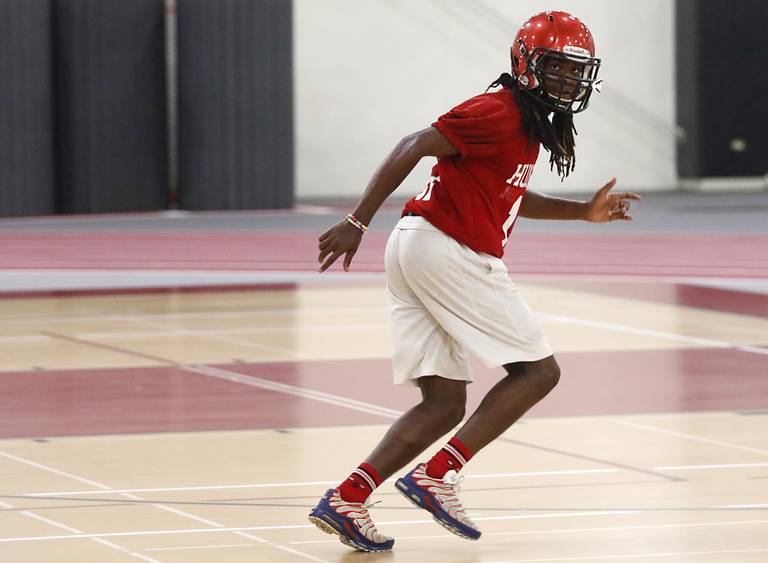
{"x": 350, "y": 521}
{"x": 440, "y": 497}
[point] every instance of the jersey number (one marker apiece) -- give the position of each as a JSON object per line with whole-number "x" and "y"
{"x": 426, "y": 193}
{"x": 510, "y": 220}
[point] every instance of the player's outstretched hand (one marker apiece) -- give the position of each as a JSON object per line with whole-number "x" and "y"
{"x": 342, "y": 238}
{"x": 610, "y": 206}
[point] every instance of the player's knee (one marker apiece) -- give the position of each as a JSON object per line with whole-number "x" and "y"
{"x": 548, "y": 374}
{"x": 449, "y": 412}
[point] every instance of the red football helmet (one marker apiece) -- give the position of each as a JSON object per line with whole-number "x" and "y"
{"x": 543, "y": 41}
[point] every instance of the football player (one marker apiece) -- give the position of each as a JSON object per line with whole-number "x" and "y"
{"x": 450, "y": 290}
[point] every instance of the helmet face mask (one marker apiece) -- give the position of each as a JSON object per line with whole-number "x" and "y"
{"x": 553, "y": 60}
{"x": 565, "y": 82}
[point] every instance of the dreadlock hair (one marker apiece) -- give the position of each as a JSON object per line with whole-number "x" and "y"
{"x": 556, "y": 136}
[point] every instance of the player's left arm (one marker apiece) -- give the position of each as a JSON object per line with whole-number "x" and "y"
{"x": 604, "y": 206}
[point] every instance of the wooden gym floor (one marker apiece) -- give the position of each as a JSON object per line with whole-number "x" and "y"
{"x": 197, "y": 425}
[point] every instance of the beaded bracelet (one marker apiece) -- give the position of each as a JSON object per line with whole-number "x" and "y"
{"x": 355, "y": 222}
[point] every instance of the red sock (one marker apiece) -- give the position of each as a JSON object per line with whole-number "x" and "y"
{"x": 454, "y": 455}
{"x": 360, "y": 484}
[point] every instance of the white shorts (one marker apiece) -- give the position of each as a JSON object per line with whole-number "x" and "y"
{"x": 447, "y": 299}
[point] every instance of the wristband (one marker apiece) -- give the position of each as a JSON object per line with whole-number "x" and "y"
{"x": 355, "y": 222}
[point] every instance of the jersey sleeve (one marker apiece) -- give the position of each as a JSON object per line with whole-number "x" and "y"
{"x": 479, "y": 126}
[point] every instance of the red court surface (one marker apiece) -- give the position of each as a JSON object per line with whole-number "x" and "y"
{"x": 723, "y": 256}
{"x": 164, "y": 399}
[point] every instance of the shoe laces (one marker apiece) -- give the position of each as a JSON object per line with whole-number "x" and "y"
{"x": 453, "y": 480}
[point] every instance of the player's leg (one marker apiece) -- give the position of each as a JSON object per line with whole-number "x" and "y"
{"x": 343, "y": 511}
{"x": 440, "y": 410}
{"x": 526, "y": 384}
{"x": 421, "y": 348}
{"x": 475, "y": 302}
{"x": 434, "y": 485}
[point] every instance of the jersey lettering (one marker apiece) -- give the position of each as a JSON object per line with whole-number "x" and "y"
{"x": 521, "y": 176}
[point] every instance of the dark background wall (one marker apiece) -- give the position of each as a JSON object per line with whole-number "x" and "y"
{"x": 83, "y": 108}
{"x": 110, "y": 105}
{"x": 235, "y": 104}
{"x": 26, "y": 121}
{"x": 722, "y": 51}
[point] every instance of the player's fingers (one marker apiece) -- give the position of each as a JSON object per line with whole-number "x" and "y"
{"x": 323, "y": 253}
{"x": 607, "y": 187}
{"x": 348, "y": 259}
{"x": 325, "y": 235}
{"x": 615, "y": 214}
{"x": 330, "y": 260}
{"x": 325, "y": 243}
{"x": 627, "y": 195}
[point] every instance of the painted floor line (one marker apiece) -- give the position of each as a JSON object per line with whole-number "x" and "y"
{"x": 186, "y": 547}
{"x": 162, "y": 330}
{"x": 716, "y": 466}
{"x": 573, "y": 530}
{"x": 78, "y": 533}
{"x": 302, "y": 526}
{"x": 303, "y": 392}
{"x": 306, "y": 483}
{"x": 636, "y": 555}
{"x": 689, "y": 436}
{"x": 705, "y": 342}
{"x": 96, "y": 317}
{"x": 160, "y": 506}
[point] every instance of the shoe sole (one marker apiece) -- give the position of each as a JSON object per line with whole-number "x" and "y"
{"x": 415, "y": 500}
{"x": 330, "y": 528}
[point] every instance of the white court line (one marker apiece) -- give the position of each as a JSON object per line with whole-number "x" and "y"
{"x": 689, "y": 436}
{"x": 166, "y": 331}
{"x": 305, "y": 483}
{"x": 305, "y": 526}
{"x": 325, "y": 483}
{"x": 271, "y": 385}
{"x": 105, "y": 488}
{"x": 96, "y": 317}
{"x": 185, "y": 547}
{"x": 25, "y": 338}
{"x": 707, "y": 342}
{"x": 636, "y": 555}
{"x": 654, "y": 333}
{"x": 52, "y": 470}
{"x": 285, "y": 353}
{"x": 741, "y": 506}
{"x": 718, "y": 466}
{"x": 570, "y": 530}
{"x": 78, "y": 533}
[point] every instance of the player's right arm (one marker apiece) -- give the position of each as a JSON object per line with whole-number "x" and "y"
{"x": 344, "y": 238}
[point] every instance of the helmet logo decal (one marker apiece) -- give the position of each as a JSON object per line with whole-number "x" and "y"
{"x": 573, "y": 50}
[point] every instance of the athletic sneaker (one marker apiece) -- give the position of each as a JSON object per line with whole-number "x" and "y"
{"x": 350, "y": 521}
{"x": 440, "y": 497}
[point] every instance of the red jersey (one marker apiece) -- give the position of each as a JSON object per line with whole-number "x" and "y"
{"x": 475, "y": 196}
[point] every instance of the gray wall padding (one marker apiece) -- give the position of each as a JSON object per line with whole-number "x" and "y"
{"x": 235, "y": 104}
{"x": 722, "y": 49}
{"x": 26, "y": 122}
{"x": 110, "y": 105}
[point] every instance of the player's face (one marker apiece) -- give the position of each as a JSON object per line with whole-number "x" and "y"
{"x": 561, "y": 78}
